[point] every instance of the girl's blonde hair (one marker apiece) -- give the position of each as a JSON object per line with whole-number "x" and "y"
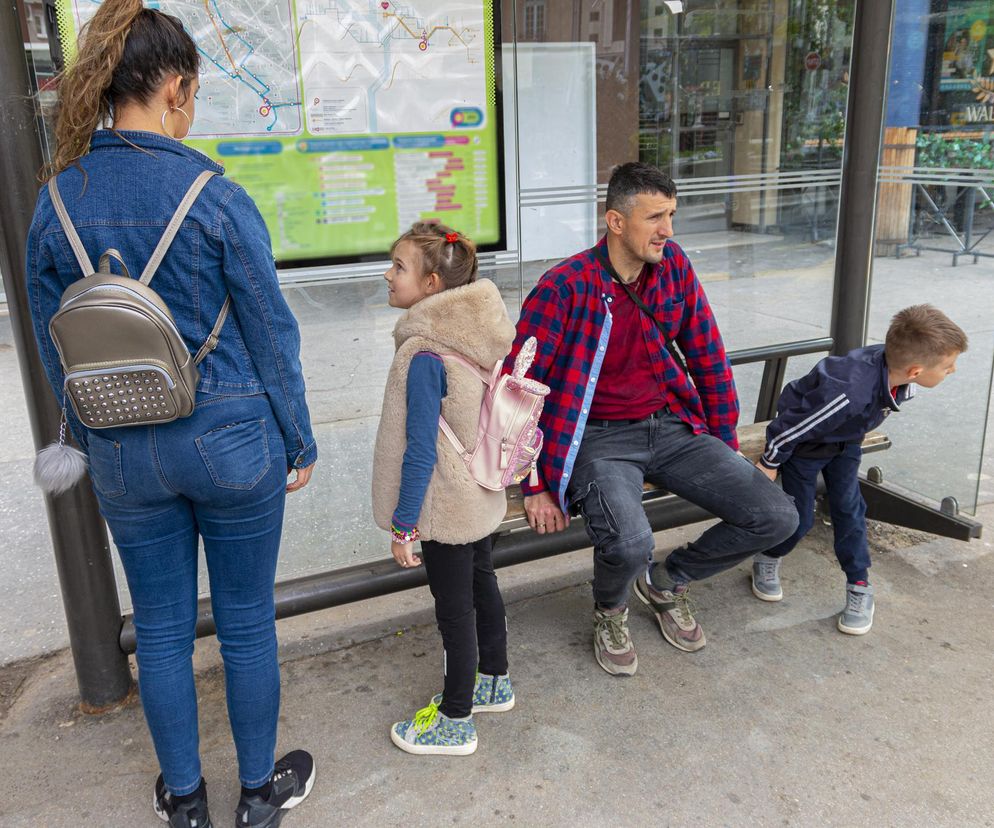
{"x": 444, "y": 251}
{"x": 125, "y": 53}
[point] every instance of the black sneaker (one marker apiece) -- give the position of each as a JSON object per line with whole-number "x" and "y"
{"x": 180, "y": 815}
{"x": 293, "y": 777}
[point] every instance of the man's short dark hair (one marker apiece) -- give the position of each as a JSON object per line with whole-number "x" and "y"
{"x": 636, "y": 178}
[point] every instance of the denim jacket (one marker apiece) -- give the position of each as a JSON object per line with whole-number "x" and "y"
{"x": 134, "y": 182}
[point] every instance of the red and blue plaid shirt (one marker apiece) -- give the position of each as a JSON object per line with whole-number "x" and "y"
{"x": 568, "y": 312}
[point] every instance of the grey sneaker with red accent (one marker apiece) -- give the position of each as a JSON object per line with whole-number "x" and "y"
{"x": 673, "y": 614}
{"x": 613, "y": 646}
{"x": 857, "y": 617}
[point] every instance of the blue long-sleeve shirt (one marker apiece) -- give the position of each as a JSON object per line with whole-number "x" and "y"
{"x": 426, "y": 388}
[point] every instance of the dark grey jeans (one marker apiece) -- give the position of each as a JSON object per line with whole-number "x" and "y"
{"x": 612, "y": 465}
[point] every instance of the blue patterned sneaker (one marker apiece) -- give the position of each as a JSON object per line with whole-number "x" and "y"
{"x": 431, "y": 732}
{"x": 492, "y": 694}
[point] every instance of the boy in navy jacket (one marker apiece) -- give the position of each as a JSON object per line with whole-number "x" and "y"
{"x": 820, "y": 424}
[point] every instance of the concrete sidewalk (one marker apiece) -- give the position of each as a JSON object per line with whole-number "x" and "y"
{"x": 780, "y": 720}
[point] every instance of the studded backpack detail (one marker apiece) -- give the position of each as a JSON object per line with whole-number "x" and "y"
{"x": 124, "y": 359}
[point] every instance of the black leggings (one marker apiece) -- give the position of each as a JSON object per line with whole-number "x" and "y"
{"x": 470, "y": 614}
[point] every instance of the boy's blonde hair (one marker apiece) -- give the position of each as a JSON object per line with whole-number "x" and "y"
{"x": 922, "y": 335}
{"x": 444, "y": 251}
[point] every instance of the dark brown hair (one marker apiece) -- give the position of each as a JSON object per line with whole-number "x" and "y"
{"x": 125, "y": 53}
{"x": 633, "y": 179}
{"x": 922, "y": 335}
{"x": 454, "y": 261}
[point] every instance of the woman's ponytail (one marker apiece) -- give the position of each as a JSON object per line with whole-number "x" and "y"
{"x": 83, "y": 103}
{"x": 125, "y": 53}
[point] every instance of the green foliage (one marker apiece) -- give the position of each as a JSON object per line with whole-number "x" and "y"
{"x": 938, "y": 151}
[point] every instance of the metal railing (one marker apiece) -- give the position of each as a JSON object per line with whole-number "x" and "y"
{"x": 336, "y": 587}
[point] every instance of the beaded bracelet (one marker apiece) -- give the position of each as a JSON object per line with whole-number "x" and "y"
{"x": 404, "y": 536}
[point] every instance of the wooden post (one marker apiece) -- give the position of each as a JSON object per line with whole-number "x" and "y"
{"x": 894, "y": 200}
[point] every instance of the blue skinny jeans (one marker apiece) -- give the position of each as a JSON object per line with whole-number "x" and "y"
{"x": 218, "y": 475}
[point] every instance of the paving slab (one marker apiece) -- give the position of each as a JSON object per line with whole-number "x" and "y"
{"x": 780, "y": 720}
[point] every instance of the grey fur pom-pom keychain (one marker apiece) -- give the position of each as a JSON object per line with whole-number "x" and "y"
{"x": 59, "y": 467}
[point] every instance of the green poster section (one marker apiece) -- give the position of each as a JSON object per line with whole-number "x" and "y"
{"x": 347, "y": 120}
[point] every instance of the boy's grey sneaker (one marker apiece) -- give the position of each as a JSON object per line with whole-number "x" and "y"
{"x": 492, "y": 694}
{"x": 291, "y": 782}
{"x": 766, "y": 578}
{"x": 673, "y": 613}
{"x": 613, "y": 647}
{"x": 857, "y": 617}
{"x": 180, "y": 815}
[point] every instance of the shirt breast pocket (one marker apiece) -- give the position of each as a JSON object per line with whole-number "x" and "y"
{"x": 672, "y": 315}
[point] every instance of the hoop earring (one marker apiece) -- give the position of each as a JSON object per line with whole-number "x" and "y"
{"x": 189, "y": 121}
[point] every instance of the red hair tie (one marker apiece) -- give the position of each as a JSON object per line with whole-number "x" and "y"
{"x": 452, "y": 238}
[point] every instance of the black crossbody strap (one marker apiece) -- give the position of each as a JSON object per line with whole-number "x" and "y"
{"x": 670, "y": 345}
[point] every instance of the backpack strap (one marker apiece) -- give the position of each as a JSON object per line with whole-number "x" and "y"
{"x": 487, "y": 379}
{"x": 448, "y": 432}
{"x": 160, "y": 251}
{"x": 103, "y": 266}
{"x": 174, "y": 224}
{"x": 67, "y": 227}
{"x": 211, "y": 342}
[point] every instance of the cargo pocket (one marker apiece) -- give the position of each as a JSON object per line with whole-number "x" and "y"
{"x": 105, "y": 466}
{"x": 236, "y": 455}
{"x": 596, "y": 511}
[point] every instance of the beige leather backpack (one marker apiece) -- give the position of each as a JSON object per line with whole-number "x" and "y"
{"x": 124, "y": 359}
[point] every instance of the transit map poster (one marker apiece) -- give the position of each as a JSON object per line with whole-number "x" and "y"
{"x": 347, "y": 120}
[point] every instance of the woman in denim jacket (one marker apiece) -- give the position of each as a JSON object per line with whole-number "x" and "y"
{"x": 220, "y": 474}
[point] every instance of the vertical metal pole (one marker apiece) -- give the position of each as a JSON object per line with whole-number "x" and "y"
{"x": 79, "y": 537}
{"x": 858, "y": 195}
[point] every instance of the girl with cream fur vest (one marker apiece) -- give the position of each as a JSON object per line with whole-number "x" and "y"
{"x": 422, "y": 489}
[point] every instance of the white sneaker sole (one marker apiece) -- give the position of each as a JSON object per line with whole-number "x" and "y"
{"x": 762, "y": 596}
{"x": 503, "y": 707}
{"x": 856, "y": 630}
{"x": 433, "y": 750}
{"x": 294, "y": 801}
{"x": 615, "y": 669}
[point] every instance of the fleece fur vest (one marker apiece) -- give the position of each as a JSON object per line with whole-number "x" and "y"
{"x": 472, "y": 321}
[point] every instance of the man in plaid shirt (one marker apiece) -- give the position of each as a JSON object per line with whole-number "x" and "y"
{"x": 624, "y": 410}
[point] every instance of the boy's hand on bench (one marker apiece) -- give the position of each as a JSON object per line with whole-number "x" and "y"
{"x": 544, "y": 514}
{"x": 770, "y": 473}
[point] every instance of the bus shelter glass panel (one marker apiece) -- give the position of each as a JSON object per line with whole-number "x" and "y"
{"x": 742, "y": 102}
{"x": 934, "y": 239}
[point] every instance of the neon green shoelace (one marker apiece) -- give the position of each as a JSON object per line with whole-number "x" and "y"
{"x": 425, "y": 718}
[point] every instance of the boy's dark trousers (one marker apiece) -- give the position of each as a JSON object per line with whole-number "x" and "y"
{"x": 846, "y": 506}
{"x": 470, "y": 614}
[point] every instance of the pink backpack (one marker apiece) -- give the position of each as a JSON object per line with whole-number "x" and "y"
{"x": 508, "y": 440}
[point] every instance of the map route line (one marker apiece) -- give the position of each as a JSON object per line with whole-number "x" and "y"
{"x": 220, "y": 36}
{"x": 425, "y": 37}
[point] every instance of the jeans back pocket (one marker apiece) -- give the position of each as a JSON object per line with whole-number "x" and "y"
{"x": 105, "y": 466}
{"x": 236, "y": 455}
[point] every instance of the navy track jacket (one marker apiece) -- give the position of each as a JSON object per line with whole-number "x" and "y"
{"x": 838, "y": 401}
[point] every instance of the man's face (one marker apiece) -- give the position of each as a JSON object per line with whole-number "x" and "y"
{"x": 648, "y": 225}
